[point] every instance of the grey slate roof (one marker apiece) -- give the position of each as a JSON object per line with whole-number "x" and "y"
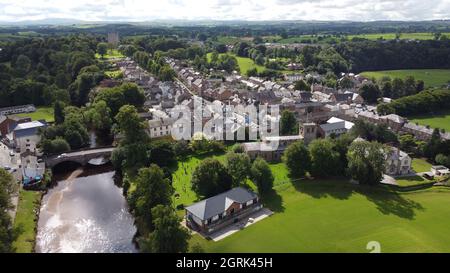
{"x": 218, "y": 204}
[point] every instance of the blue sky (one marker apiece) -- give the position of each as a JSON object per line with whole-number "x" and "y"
{"x": 147, "y": 10}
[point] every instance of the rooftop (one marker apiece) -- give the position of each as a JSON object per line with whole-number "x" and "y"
{"x": 216, "y": 205}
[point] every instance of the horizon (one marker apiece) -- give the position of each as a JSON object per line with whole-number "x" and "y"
{"x": 140, "y": 11}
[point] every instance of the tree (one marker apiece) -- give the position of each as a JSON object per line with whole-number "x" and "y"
{"x": 168, "y": 235}
{"x": 102, "y": 49}
{"x": 99, "y": 116}
{"x": 366, "y": 162}
{"x": 370, "y": 92}
{"x": 162, "y": 153}
{"x": 301, "y": 85}
{"x": 7, "y": 234}
{"x": 59, "y": 112}
{"x": 325, "y": 161}
{"x": 210, "y": 178}
{"x": 166, "y": 74}
{"x": 297, "y": 159}
{"x": 130, "y": 125}
{"x": 386, "y": 89}
{"x": 258, "y": 40}
{"x": 407, "y": 143}
{"x": 181, "y": 148}
{"x": 152, "y": 189}
{"x": 262, "y": 175}
{"x": 288, "y": 123}
{"x": 238, "y": 166}
{"x": 23, "y": 65}
{"x": 442, "y": 160}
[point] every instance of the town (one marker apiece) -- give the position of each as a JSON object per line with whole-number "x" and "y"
{"x": 202, "y": 139}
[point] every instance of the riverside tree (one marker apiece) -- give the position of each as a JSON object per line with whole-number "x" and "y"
{"x": 152, "y": 189}
{"x": 168, "y": 235}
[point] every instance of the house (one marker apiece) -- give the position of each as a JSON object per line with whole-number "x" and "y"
{"x": 8, "y": 123}
{"x": 25, "y": 136}
{"x": 160, "y": 127}
{"x": 271, "y": 148}
{"x": 222, "y": 210}
{"x": 29, "y": 108}
{"x": 335, "y": 127}
{"x": 397, "y": 162}
{"x": 440, "y": 171}
{"x": 342, "y": 98}
{"x": 419, "y": 131}
{"x": 394, "y": 121}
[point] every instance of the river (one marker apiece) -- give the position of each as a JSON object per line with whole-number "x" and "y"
{"x": 85, "y": 213}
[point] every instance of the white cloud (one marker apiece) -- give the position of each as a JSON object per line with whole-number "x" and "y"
{"x": 140, "y": 10}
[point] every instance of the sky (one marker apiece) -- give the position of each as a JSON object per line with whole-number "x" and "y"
{"x": 251, "y": 10}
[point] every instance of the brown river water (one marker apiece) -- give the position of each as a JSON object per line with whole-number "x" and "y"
{"x": 85, "y": 213}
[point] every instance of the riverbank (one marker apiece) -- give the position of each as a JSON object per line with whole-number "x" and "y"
{"x": 26, "y": 220}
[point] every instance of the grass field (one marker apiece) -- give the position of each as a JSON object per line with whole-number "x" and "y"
{"x": 412, "y": 181}
{"x": 420, "y": 165}
{"x": 112, "y": 54}
{"x": 441, "y": 121}
{"x": 116, "y": 74}
{"x": 45, "y": 113}
{"x": 431, "y": 77}
{"x": 245, "y": 64}
{"x": 391, "y": 36}
{"x": 25, "y": 221}
{"x": 335, "y": 216}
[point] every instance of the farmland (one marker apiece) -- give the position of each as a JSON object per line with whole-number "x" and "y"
{"x": 431, "y": 77}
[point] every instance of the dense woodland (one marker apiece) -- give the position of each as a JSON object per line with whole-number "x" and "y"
{"x": 42, "y": 71}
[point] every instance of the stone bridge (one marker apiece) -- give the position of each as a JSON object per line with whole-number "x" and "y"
{"x": 80, "y": 157}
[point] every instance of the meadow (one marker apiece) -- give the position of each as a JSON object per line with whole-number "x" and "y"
{"x": 438, "y": 120}
{"x": 333, "y": 216}
{"x": 431, "y": 77}
{"x": 392, "y": 36}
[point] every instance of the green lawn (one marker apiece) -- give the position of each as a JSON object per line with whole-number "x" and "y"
{"x": 441, "y": 121}
{"x": 245, "y": 64}
{"x": 431, "y": 77}
{"x": 116, "y": 74}
{"x": 42, "y": 113}
{"x": 112, "y": 54}
{"x": 26, "y": 221}
{"x": 420, "y": 165}
{"x": 412, "y": 181}
{"x": 335, "y": 216}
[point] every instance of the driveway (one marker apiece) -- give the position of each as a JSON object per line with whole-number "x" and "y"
{"x": 229, "y": 230}
{"x": 389, "y": 180}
